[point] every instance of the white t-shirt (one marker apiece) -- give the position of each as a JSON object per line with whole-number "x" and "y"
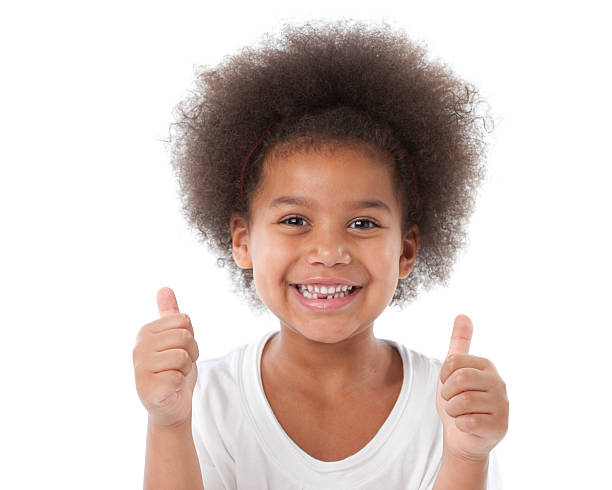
{"x": 241, "y": 445}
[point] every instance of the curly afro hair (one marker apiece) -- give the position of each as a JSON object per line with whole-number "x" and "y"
{"x": 341, "y": 82}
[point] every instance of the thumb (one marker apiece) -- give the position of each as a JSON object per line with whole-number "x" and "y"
{"x": 462, "y": 336}
{"x": 166, "y": 302}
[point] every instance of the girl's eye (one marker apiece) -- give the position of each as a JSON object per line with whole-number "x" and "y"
{"x": 292, "y": 218}
{"x": 374, "y": 225}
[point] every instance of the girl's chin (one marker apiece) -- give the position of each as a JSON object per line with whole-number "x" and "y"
{"x": 322, "y": 333}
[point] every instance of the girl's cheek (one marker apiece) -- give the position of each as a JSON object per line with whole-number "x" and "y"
{"x": 384, "y": 253}
{"x": 279, "y": 244}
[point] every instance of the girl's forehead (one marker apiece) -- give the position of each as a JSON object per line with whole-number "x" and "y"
{"x": 335, "y": 163}
{"x": 340, "y": 175}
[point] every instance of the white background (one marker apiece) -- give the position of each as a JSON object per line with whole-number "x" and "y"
{"x": 92, "y": 227}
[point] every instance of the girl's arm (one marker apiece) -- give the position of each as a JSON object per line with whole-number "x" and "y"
{"x": 171, "y": 460}
{"x": 166, "y": 373}
{"x": 473, "y": 405}
{"x": 461, "y": 474}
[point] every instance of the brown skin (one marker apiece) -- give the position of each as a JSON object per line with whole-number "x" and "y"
{"x": 165, "y": 373}
{"x": 473, "y": 406}
{"x": 332, "y": 429}
{"x": 164, "y": 363}
{"x": 328, "y": 358}
{"x": 471, "y": 398}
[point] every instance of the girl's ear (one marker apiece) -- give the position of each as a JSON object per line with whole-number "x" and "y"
{"x": 410, "y": 247}
{"x": 240, "y": 241}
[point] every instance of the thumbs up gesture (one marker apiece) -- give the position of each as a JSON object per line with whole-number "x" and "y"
{"x": 164, "y": 363}
{"x": 471, "y": 399}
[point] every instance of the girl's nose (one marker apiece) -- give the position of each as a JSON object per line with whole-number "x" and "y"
{"x": 328, "y": 251}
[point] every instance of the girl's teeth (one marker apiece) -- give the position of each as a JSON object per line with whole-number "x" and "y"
{"x": 311, "y": 291}
{"x": 325, "y": 289}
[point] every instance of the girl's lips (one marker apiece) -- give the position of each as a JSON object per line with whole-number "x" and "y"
{"x": 325, "y": 304}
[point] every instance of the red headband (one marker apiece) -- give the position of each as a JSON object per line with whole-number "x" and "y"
{"x": 267, "y": 133}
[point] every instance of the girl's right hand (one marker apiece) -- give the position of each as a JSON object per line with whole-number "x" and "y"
{"x": 164, "y": 363}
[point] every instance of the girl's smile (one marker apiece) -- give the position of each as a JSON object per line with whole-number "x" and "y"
{"x": 319, "y": 298}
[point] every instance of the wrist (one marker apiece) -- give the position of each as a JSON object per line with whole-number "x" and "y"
{"x": 179, "y": 426}
{"x": 463, "y": 459}
{"x": 459, "y": 472}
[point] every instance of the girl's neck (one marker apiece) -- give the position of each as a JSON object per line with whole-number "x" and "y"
{"x": 328, "y": 370}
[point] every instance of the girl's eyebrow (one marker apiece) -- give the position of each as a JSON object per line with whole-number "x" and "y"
{"x": 301, "y": 201}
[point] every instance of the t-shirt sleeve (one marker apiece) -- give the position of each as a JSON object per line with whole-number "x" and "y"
{"x": 494, "y": 481}
{"x": 211, "y": 478}
{"x": 215, "y": 415}
{"x": 210, "y": 475}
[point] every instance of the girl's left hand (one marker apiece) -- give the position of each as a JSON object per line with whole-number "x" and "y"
{"x": 471, "y": 399}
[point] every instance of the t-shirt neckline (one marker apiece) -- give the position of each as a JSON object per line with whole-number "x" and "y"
{"x": 281, "y": 446}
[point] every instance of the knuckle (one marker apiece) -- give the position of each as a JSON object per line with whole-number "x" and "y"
{"x": 143, "y": 334}
{"x": 446, "y": 394}
{"x": 461, "y": 378}
{"x": 136, "y": 358}
{"x": 467, "y": 399}
{"x": 150, "y": 327}
{"x": 184, "y": 355}
{"x": 177, "y": 378}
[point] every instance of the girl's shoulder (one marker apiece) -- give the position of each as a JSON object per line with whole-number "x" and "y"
{"x": 220, "y": 369}
{"x": 226, "y": 370}
{"x": 419, "y": 361}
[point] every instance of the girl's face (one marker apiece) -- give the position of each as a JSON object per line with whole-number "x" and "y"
{"x": 330, "y": 215}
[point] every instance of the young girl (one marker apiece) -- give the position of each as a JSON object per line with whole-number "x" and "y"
{"x": 333, "y": 171}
